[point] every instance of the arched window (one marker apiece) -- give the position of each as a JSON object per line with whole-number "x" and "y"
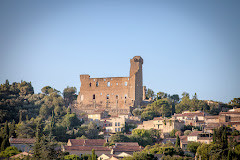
{"x": 107, "y": 96}
{"x": 94, "y": 96}
{"x": 125, "y": 83}
{"x": 116, "y": 96}
{"x": 97, "y": 84}
{"x": 108, "y": 84}
{"x": 90, "y": 84}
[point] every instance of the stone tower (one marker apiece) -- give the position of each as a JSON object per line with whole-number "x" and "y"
{"x": 135, "y": 80}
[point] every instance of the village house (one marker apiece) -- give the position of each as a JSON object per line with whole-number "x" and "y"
{"x": 230, "y": 119}
{"x": 195, "y": 136}
{"x": 97, "y": 115}
{"x": 85, "y": 146}
{"x": 192, "y": 118}
{"x": 109, "y": 156}
{"x": 23, "y": 144}
{"x": 126, "y": 147}
{"x": 86, "y": 142}
{"x": 80, "y": 150}
{"x": 165, "y": 125}
{"x": 114, "y": 124}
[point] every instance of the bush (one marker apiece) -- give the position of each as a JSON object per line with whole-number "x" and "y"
{"x": 72, "y": 157}
{"x": 9, "y": 151}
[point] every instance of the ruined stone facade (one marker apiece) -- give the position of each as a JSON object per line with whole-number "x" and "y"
{"x": 113, "y": 94}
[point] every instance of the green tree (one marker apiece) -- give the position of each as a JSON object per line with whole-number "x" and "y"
{"x": 69, "y": 95}
{"x": 94, "y": 156}
{"x": 193, "y": 146}
{"x": 235, "y": 102}
{"x": 177, "y": 142}
{"x": 5, "y": 142}
{"x": 92, "y": 132}
{"x": 71, "y": 120}
{"x": 187, "y": 132}
{"x": 173, "y": 133}
{"x": 72, "y": 157}
{"x": 119, "y": 137}
{"x": 161, "y": 95}
{"x": 37, "y": 145}
{"x": 161, "y": 107}
{"x": 47, "y": 90}
{"x": 137, "y": 112}
{"x": 141, "y": 156}
{"x": 150, "y": 94}
{"x": 209, "y": 151}
{"x": 9, "y": 151}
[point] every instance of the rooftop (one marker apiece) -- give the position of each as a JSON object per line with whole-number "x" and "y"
{"x": 195, "y": 133}
{"x": 22, "y": 140}
{"x": 87, "y": 142}
{"x": 86, "y": 148}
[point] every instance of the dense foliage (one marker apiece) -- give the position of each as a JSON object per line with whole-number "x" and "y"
{"x": 222, "y": 147}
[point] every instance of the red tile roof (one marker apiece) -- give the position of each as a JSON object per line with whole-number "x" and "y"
{"x": 212, "y": 125}
{"x": 76, "y": 142}
{"x": 193, "y": 114}
{"x": 86, "y": 148}
{"x": 127, "y": 148}
{"x": 127, "y": 144}
{"x": 211, "y": 117}
{"x": 195, "y": 133}
{"x": 87, "y": 142}
{"x": 231, "y": 112}
{"x": 22, "y": 140}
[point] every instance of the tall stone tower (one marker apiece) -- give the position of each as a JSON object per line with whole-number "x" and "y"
{"x": 135, "y": 80}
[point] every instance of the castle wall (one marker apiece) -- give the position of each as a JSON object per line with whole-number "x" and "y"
{"x": 114, "y": 94}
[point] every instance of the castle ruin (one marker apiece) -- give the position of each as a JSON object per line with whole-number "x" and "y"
{"x": 113, "y": 94}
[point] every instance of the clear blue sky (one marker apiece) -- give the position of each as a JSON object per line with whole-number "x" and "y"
{"x": 191, "y": 46}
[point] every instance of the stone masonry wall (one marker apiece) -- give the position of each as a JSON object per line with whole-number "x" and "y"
{"x": 113, "y": 94}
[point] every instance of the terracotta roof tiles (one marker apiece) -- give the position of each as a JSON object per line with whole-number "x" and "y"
{"x": 86, "y": 148}
{"x": 127, "y": 148}
{"x": 22, "y": 140}
{"x": 195, "y": 133}
{"x": 87, "y": 142}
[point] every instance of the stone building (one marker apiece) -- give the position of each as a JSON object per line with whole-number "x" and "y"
{"x": 23, "y": 144}
{"x": 113, "y": 94}
{"x": 165, "y": 125}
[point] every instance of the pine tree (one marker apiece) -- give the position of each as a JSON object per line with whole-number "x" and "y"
{"x": 177, "y": 142}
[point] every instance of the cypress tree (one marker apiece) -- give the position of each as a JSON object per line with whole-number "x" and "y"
{"x": 5, "y": 142}
{"x": 229, "y": 157}
{"x": 37, "y": 144}
{"x": 94, "y": 156}
{"x": 177, "y": 142}
{"x": 214, "y": 136}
